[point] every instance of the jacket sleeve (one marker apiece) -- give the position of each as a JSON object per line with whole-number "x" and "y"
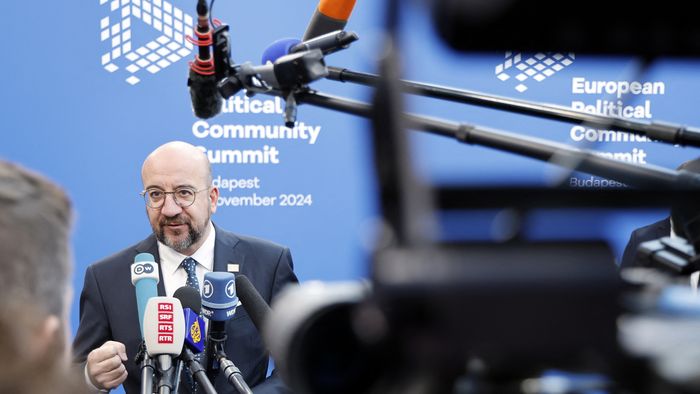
{"x": 284, "y": 275}
{"x": 629, "y": 256}
{"x": 272, "y": 385}
{"x": 93, "y": 329}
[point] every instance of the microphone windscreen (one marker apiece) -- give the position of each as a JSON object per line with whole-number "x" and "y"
{"x": 330, "y": 15}
{"x": 189, "y": 298}
{"x": 278, "y": 49}
{"x": 164, "y": 326}
{"x": 337, "y": 9}
{"x": 219, "y": 297}
{"x": 206, "y": 99}
{"x": 252, "y": 301}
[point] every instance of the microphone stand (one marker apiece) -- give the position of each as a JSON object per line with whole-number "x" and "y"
{"x": 232, "y": 373}
{"x": 300, "y": 73}
{"x": 217, "y": 354}
{"x": 215, "y": 340}
{"x": 307, "y": 69}
{"x": 166, "y": 370}
{"x": 147, "y": 369}
{"x": 588, "y": 161}
{"x": 310, "y": 68}
{"x": 176, "y": 378}
{"x": 644, "y": 177}
{"x": 662, "y": 131}
{"x": 198, "y": 372}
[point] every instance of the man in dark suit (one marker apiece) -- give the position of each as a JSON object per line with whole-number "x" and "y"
{"x": 657, "y": 230}
{"x": 650, "y": 232}
{"x": 180, "y": 199}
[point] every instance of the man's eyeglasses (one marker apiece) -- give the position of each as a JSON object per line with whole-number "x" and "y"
{"x": 183, "y": 196}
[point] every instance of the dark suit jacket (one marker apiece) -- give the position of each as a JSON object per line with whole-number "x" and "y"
{"x": 662, "y": 228}
{"x": 108, "y": 305}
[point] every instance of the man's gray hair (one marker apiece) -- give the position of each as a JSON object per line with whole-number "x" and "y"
{"x": 35, "y": 256}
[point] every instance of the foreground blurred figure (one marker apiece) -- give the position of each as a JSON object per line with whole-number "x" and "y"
{"x": 35, "y": 268}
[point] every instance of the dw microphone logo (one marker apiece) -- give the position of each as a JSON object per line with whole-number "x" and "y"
{"x": 143, "y": 268}
{"x": 538, "y": 66}
{"x": 143, "y": 37}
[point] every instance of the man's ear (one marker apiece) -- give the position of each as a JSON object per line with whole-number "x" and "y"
{"x": 45, "y": 338}
{"x": 213, "y": 198}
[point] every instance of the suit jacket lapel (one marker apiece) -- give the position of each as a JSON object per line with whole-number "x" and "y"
{"x": 225, "y": 251}
{"x": 150, "y": 245}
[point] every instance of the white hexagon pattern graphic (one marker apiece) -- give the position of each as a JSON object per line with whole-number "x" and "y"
{"x": 538, "y": 66}
{"x": 170, "y": 26}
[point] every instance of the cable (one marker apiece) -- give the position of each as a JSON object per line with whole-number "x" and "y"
{"x": 211, "y": 12}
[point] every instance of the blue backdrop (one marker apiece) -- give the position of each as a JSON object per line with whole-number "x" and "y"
{"x": 91, "y": 87}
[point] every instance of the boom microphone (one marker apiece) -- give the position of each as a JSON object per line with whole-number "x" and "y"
{"x": 252, "y": 301}
{"x": 202, "y": 81}
{"x": 206, "y": 99}
{"x": 330, "y": 15}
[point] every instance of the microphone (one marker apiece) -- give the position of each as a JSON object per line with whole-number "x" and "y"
{"x": 194, "y": 324}
{"x": 194, "y": 329}
{"x": 252, "y": 301}
{"x": 330, "y": 15}
{"x": 327, "y": 43}
{"x": 219, "y": 298}
{"x": 219, "y": 302}
{"x": 278, "y": 49}
{"x": 144, "y": 277}
{"x": 202, "y": 80}
{"x": 164, "y": 334}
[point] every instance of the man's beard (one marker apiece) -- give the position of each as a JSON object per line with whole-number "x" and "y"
{"x": 193, "y": 234}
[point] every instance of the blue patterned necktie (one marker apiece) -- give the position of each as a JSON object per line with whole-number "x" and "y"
{"x": 189, "y": 265}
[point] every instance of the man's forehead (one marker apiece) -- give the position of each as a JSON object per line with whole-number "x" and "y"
{"x": 175, "y": 179}
{"x": 169, "y": 164}
{"x": 173, "y": 176}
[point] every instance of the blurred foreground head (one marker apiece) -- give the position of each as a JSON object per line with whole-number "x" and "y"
{"x": 35, "y": 294}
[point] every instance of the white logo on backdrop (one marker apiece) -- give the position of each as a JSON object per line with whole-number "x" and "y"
{"x": 170, "y": 26}
{"x": 525, "y": 67}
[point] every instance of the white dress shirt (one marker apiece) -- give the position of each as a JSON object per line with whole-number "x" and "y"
{"x": 174, "y": 276}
